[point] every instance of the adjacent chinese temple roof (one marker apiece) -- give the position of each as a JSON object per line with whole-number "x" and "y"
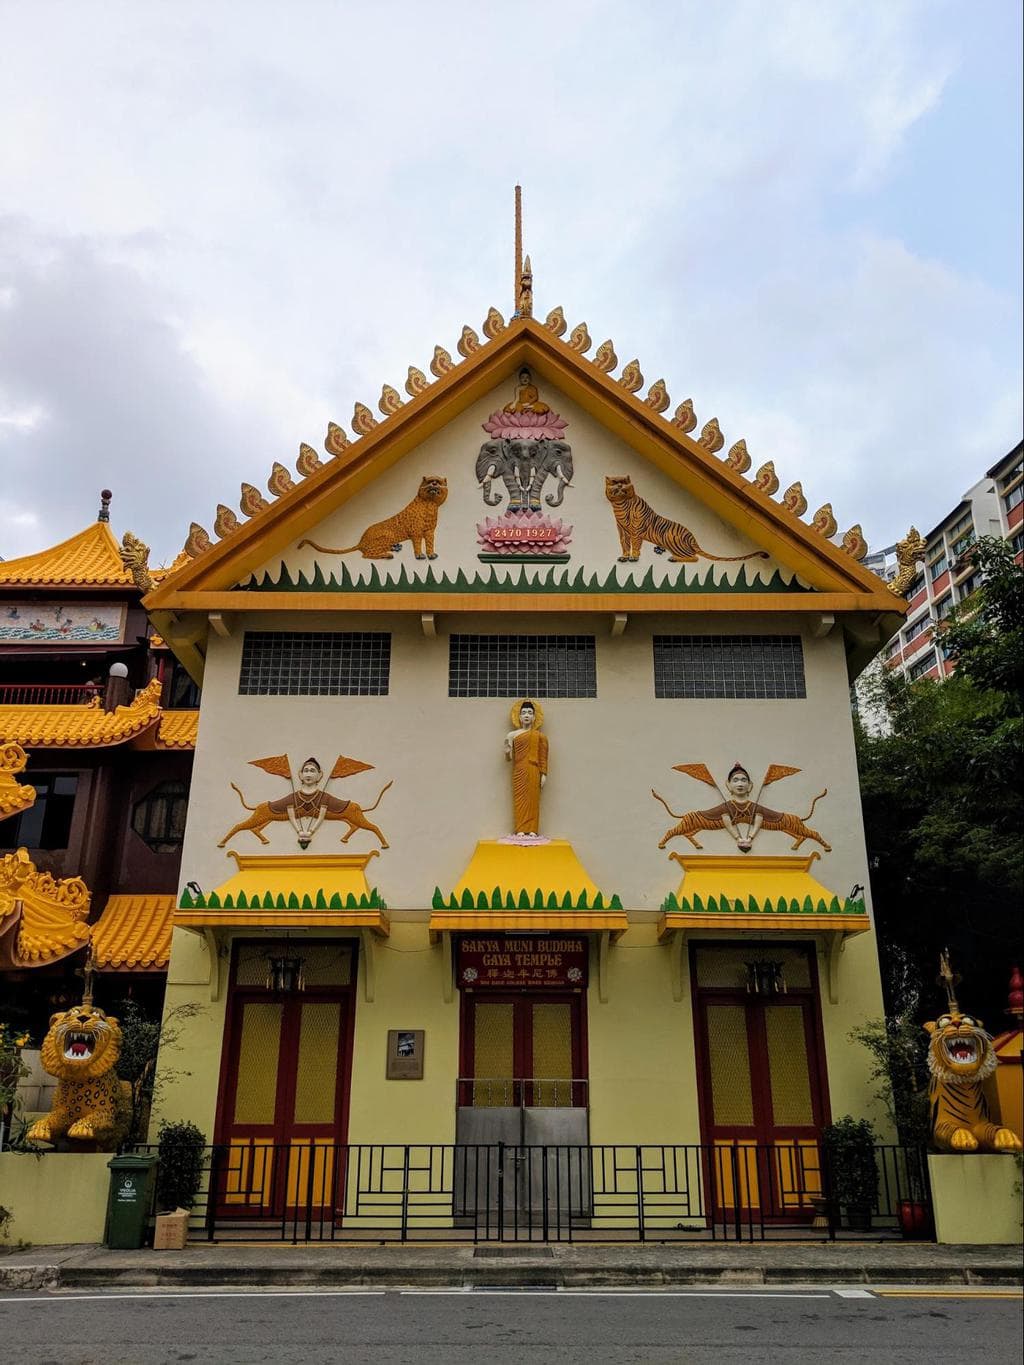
{"x": 285, "y": 890}
{"x": 42, "y": 918}
{"x": 133, "y": 934}
{"x": 15, "y": 796}
{"x": 90, "y": 559}
{"x": 88, "y": 726}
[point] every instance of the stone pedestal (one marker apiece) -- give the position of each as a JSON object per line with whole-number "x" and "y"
{"x": 976, "y": 1198}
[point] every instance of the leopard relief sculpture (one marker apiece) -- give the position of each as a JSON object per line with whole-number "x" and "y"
{"x": 636, "y": 522}
{"x": 416, "y": 522}
{"x": 90, "y": 1103}
{"x": 960, "y": 1056}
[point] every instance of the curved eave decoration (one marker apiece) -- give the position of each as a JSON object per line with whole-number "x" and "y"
{"x": 42, "y": 918}
{"x": 15, "y": 796}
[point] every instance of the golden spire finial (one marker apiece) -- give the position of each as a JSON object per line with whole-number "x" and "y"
{"x": 518, "y": 246}
{"x": 948, "y": 978}
{"x": 523, "y": 296}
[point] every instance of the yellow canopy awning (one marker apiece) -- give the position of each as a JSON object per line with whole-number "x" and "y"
{"x": 517, "y": 885}
{"x": 746, "y": 891}
{"x": 290, "y": 891}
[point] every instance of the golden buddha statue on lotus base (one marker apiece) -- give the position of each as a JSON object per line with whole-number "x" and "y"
{"x": 527, "y": 750}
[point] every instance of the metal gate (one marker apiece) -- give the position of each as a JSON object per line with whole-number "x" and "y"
{"x": 559, "y": 1192}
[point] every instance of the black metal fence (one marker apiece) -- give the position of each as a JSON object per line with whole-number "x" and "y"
{"x": 304, "y": 1192}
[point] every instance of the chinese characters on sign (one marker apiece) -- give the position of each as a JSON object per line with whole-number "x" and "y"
{"x": 511, "y": 962}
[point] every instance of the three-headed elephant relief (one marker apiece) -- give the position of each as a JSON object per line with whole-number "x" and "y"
{"x": 524, "y": 467}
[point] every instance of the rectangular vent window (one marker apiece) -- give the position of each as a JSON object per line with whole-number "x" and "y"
{"x": 315, "y": 664}
{"x": 736, "y": 667}
{"x": 522, "y": 666}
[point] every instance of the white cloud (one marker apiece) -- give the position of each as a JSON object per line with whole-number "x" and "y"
{"x": 234, "y": 221}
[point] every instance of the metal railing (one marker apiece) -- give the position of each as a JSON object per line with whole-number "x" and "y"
{"x": 48, "y": 694}
{"x": 533, "y": 1092}
{"x": 310, "y": 1191}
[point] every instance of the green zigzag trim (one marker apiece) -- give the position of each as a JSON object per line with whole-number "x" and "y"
{"x": 535, "y": 579}
{"x": 521, "y": 900}
{"x": 270, "y": 901}
{"x": 728, "y": 905}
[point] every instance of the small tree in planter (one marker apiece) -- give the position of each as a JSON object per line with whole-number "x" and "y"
{"x": 178, "y": 1177}
{"x": 848, "y": 1146}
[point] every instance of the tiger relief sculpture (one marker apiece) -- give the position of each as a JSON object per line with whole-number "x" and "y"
{"x": 740, "y": 814}
{"x": 416, "y": 522}
{"x": 90, "y": 1103}
{"x": 636, "y": 522}
{"x": 960, "y": 1056}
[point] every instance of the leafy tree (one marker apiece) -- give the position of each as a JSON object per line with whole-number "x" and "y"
{"x": 943, "y": 808}
{"x": 142, "y": 1038}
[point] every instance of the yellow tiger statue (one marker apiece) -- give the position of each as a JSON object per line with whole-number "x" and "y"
{"x": 960, "y": 1056}
{"x": 90, "y": 1103}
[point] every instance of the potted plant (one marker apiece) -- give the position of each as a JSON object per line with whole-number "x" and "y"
{"x": 179, "y": 1173}
{"x": 848, "y": 1148}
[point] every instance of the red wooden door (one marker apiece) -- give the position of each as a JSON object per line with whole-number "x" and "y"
{"x": 523, "y": 1048}
{"x": 284, "y": 1100}
{"x": 763, "y": 1097}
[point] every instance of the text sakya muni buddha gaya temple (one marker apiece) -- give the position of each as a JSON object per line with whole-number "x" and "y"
{"x": 524, "y": 806}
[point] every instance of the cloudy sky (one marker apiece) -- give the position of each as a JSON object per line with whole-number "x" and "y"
{"x": 222, "y": 223}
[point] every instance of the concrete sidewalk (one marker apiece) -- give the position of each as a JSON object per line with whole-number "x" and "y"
{"x": 513, "y": 1265}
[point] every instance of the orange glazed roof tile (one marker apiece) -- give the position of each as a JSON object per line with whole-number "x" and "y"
{"x": 89, "y": 559}
{"x": 133, "y": 934}
{"x": 177, "y": 730}
{"x": 80, "y": 727}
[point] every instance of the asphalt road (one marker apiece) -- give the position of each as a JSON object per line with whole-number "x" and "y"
{"x": 499, "y": 1328}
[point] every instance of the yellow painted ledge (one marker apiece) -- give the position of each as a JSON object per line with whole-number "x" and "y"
{"x": 612, "y": 922}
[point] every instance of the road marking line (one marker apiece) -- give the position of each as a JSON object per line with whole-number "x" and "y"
{"x": 58, "y": 1297}
{"x": 964, "y": 1293}
{"x": 853, "y": 1293}
{"x": 610, "y": 1293}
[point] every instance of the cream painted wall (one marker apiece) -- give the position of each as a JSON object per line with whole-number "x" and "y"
{"x": 452, "y": 454}
{"x": 451, "y": 782}
{"x": 57, "y": 1199}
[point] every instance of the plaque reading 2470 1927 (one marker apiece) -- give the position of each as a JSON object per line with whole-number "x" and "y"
{"x": 505, "y": 962}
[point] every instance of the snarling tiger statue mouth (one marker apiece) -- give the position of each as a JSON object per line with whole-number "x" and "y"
{"x": 90, "y": 1103}
{"x": 960, "y": 1057}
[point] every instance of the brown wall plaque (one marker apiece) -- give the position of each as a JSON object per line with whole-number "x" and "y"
{"x": 405, "y": 1054}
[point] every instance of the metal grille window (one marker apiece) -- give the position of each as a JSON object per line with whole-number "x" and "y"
{"x": 315, "y": 664}
{"x": 729, "y": 666}
{"x": 522, "y": 666}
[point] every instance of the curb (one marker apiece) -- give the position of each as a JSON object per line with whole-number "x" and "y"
{"x": 30, "y": 1277}
{"x": 546, "y": 1276}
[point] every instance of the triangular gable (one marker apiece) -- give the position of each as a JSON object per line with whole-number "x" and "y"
{"x": 748, "y": 505}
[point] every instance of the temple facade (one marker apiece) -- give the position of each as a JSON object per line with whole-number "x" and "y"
{"x": 97, "y": 728}
{"x": 525, "y": 806}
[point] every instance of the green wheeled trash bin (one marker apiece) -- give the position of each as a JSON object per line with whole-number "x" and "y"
{"x": 131, "y": 1178}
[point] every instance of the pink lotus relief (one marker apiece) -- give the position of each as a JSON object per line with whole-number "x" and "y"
{"x": 526, "y": 426}
{"x": 517, "y": 532}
